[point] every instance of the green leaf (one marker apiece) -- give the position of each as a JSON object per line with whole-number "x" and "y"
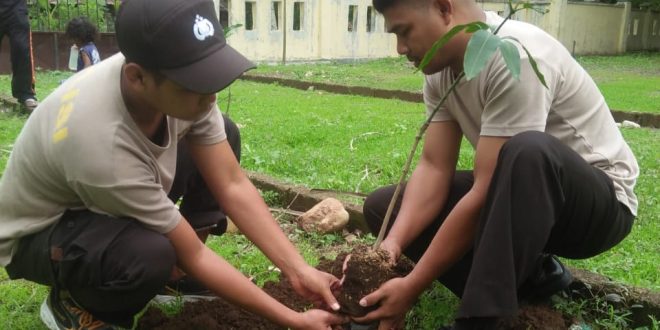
{"x": 532, "y": 62}
{"x": 535, "y": 7}
{"x": 480, "y": 48}
{"x": 439, "y": 43}
{"x": 229, "y": 30}
{"x": 470, "y": 28}
{"x": 511, "y": 57}
{"x": 476, "y": 26}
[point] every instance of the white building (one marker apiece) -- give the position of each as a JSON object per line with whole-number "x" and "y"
{"x": 309, "y": 30}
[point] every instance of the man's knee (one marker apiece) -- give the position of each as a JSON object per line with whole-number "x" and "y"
{"x": 375, "y": 207}
{"x": 233, "y": 136}
{"x": 527, "y": 146}
{"x": 142, "y": 256}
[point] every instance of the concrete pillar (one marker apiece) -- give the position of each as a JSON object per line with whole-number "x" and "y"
{"x": 623, "y": 31}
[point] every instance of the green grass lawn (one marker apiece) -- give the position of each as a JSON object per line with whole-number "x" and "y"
{"x": 358, "y": 144}
{"x": 349, "y": 143}
{"x": 629, "y": 82}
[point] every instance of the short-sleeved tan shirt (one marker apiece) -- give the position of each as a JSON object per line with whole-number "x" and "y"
{"x": 82, "y": 149}
{"x": 571, "y": 109}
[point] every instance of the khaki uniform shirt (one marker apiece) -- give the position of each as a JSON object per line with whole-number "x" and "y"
{"x": 572, "y": 109}
{"x": 81, "y": 149}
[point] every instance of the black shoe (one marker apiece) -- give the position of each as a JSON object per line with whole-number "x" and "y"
{"x": 186, "y": 288}
{"x": 550, "y": 277}
{"x": 60, "y": 312}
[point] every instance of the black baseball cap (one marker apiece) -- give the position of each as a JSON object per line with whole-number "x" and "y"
{"x": 181, "y": 39}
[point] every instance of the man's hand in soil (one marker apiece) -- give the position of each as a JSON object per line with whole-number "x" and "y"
{"x": 316, "y": 286}
{"x": 394, "y": 299}
{"x": 393, "y": 248}
{"x": 320, "y": 320}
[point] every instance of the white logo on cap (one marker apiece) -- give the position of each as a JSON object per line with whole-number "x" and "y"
{"x": 203, "y": 28}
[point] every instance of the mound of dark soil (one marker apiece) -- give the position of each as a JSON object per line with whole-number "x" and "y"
{"x": 535, "y": 317}
{"x": 365, "y": 272}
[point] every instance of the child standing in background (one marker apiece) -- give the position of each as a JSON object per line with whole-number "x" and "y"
{"x": 83, "y": 33}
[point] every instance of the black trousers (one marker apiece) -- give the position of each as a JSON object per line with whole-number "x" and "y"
{"x": 113, "y": 266}
{"x": 16, "y": 25}
{"x": 543, "y": 197}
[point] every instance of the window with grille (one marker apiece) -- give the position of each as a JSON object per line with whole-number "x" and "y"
{"x": 352, "y": 18}
{"x": 298, "y": 15}
{"x": 250, "y": 15}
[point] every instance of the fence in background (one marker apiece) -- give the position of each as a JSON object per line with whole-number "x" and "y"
{"x": 53, "y": 15}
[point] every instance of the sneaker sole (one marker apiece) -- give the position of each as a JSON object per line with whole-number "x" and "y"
{"x": 47, "y": 316}
{"x": 164, "y": 299}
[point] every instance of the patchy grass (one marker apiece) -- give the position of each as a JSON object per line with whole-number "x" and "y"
{"x": 46, "y": 82}
{"x": 628, "y": 82}
{"x": 390, "y": 73}
{"x": 351, "y": 144}
{"x": 10, "y": 126}
{"x": 310, "y": 144}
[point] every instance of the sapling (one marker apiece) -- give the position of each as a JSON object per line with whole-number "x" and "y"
{"x": 483, "y": 44}
{"x": 365, "y": 269}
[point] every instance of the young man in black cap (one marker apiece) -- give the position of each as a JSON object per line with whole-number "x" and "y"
{"x": 552, "y": 173}
{"x": 89, "y": 193}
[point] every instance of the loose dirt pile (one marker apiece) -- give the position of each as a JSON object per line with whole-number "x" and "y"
{"x": 365, "y": 272}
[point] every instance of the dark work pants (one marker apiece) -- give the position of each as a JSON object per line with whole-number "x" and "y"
{"x": 543, "y": 198}
{"x": 113, "y": 266}
{"x": 16, "y": 25}
{"x": 198, "y": 205}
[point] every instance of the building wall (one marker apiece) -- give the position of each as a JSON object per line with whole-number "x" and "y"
{"x": 594, "y": 28}
{"x": 548, "y": 21}
{"x": 644, "y": 31}
{"x": 338, "y": 42}
{"x": 583, "y": 27}
{"x": 323, "y": 32}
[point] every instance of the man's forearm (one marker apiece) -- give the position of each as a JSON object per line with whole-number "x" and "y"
{"x": 425, "y": 196}
{"x": 222, "y": 278}
{"x": 249, "y": 212}
{"x": 238, "y": 289}
{"x": 451, "y": 242}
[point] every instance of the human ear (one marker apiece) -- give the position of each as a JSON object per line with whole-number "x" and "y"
{"x": 135, "y": 76}
{"x": 445, "y": 8}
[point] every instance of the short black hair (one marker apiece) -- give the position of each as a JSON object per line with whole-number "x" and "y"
{"x": 80, "y": 28}
{"x": 382, "y": 5}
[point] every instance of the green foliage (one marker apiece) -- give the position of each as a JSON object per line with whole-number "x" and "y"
{"x": 597, "y": 312}
{"x": 480, "y": 49}
{"x": 484, "y": 43}
{"x": 436, "y": 306}
{"x": 229, "y": 30}
{"x": 471, "y": 27}
{"x": 511, "y": 58}
{"x": 46, "y": 15}
{"x": 10, "y": 126}
{"x": 653, "y": 5}
{"x": 272, "y": 198}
